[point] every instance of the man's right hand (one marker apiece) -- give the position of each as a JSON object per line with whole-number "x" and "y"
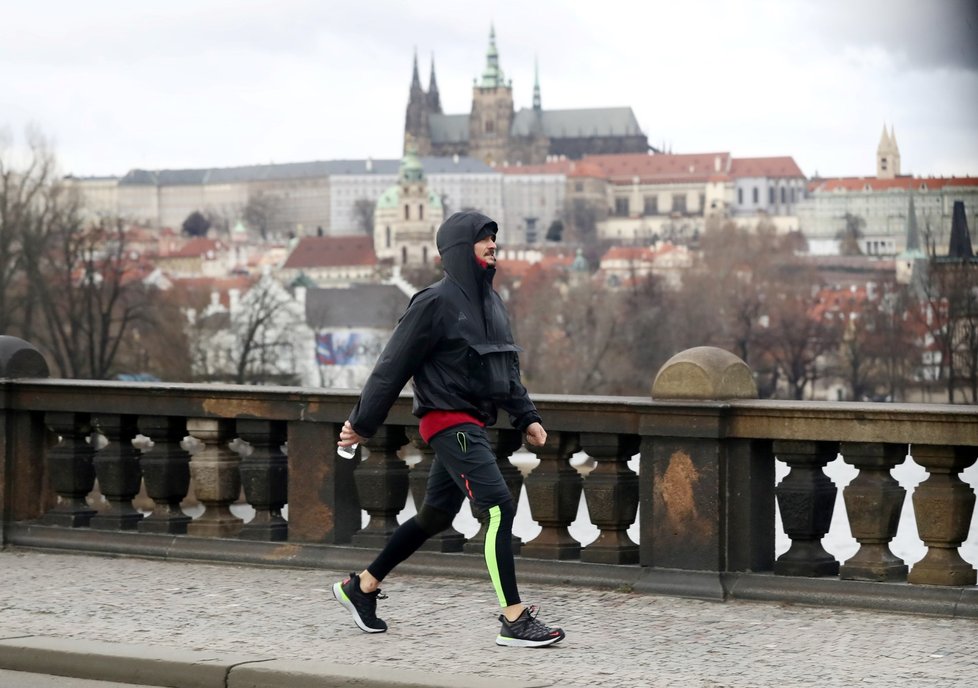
{"x": 348, "y": 436}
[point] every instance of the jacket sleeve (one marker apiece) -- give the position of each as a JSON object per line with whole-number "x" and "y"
{"x": 409, "y": 344}
{"x": 522, "y": 412}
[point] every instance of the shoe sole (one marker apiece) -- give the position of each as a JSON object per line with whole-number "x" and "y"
{"x": 517, "y": 642}
{"x": 349, "y": 606}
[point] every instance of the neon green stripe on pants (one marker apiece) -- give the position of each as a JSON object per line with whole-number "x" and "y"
{"x": 495, "y": 515}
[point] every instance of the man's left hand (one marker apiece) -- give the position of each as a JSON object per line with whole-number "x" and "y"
{"x": 536, "y": 435}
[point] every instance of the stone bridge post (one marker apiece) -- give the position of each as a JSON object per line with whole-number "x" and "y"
{"x": 707, "y": 502}
{"x": 24, "y": 492}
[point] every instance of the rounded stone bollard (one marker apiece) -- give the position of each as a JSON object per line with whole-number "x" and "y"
{"x": 19, "y": 358}
{"x": 704, "y": 373}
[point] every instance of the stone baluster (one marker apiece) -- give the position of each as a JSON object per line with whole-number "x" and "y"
{"x": 265, "y": 477}
{"x": 217, "y": 481}
{"x": 873, "y": 502}
{"x": 504, "y": 443}
{"x": 382, "y": 485}
{"x": 72, "y": 470}
{"x": 449, "y": 540}
{"x": 611, "y": 492}
{"x": 166, "y": 473}
{"x": 806, "y": 499}
{"x": 943, "y": 505}
{"x": 554, "y": 492}
{"x": 118, "y": 472}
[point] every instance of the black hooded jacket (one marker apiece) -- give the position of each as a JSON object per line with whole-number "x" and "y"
{"x": 455, "y": 340}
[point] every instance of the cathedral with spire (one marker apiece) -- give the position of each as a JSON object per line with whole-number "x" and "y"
{"x": 496, "y": 133}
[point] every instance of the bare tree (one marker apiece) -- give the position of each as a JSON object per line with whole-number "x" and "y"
{"x": 89, "y": 294}
{"x": 363, "y": 215}
{"x": 264, "y": 330}
{"x": 261, "y": 212}
{"x": 849, "y": 236}
{"x": 68, "y": 287}
{"x": 795, "y": 341}
{"x": 30, "y": 202}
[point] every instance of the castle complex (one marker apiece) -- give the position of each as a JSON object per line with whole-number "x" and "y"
{"x": 497, "y": 134}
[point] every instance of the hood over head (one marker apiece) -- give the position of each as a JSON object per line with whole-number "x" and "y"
{"x": 456, "y": 240}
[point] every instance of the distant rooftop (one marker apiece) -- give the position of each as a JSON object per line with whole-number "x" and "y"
{"x": 359, "y": 305}
{"x": 299, "y": 170}
{"x": 331, "y": 251}
{"x": 900, "y": 183}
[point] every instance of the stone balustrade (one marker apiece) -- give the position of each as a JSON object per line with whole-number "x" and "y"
{"x": 704, "y": 496}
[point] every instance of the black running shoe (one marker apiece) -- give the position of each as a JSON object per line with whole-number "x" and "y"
{"x": 527, "y": 631}
{"x": 362, "y": 605}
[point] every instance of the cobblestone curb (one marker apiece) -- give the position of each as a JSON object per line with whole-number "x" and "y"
{"x": 164, "y": 667}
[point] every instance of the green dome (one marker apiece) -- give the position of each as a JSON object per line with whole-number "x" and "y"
{"x": 390, "y": 198}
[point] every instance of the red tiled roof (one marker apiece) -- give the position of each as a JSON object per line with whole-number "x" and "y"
{"x": 332, "y": 251}
{"x": 583, "y": 168}
{"x": 783, "y": 166}
{"x": 629, "y": 253}
{"x": 664, "y": 167}
{"x": 198, "y": 246}
{"x": 876, "y": 184}
{"x": 554, "y": 167}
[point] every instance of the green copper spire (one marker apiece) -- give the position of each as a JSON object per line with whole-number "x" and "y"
{"x": 492, "y": 76}
{"x": 411, "y": 169}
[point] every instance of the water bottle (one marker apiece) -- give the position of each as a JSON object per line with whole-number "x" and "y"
{"x": 347, "y": 452}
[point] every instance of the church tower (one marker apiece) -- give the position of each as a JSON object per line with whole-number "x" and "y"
{"x": 491, "y": 119}
{"x": 416, "y": 127}
{"x": 434, "y": 100}
{"x": 888, "y": 156}
{"x": 407, "y": 216}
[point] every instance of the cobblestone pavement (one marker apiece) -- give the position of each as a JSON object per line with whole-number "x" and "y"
{"x": 446, "y": 625}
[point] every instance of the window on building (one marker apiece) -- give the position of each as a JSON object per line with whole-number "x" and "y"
{"x": 784, "y": 195}
{"x": 792, "y": 195}
{"x": 578, "y": 187}
{"x": 424, "y": 255}
{"x": 770, "y": 195}
{"x": 621, "y": 207}
{"x": 740, "y": 196}
{"x": 703, "y": 203}
{"x": 756, "y": 195}
{"x": 420, "y": 211}
{"x": 651, "y": 205}
{"x": 388, "y": 236}
{"x": 679, "y": 203}
{"x": 403, "y": 255}
{"x": 407, "y": 212}
{"x": 490, "y": 126}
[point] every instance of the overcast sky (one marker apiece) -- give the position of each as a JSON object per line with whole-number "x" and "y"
{"x": 207, "y": 83}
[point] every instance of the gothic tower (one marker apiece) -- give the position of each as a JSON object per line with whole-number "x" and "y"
{"x": 888, "y": 156}
{"x": 416, "y": 128}
{"x": 491, "y": 119}
{"x": 434, "y": 100}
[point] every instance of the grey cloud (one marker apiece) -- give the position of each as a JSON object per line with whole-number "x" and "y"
{"x": 927, "y": 35}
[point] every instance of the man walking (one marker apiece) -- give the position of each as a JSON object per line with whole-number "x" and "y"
{"x": 455, "y": 340}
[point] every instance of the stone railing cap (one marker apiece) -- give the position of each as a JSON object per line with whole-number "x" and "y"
{"x": 704, "y": 373}
{"x": 19, "y": 358}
